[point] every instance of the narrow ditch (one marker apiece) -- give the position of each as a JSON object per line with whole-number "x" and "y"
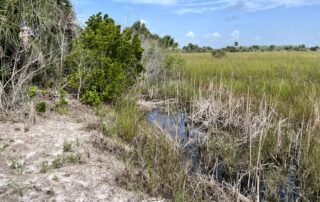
{"x": 192, "y": 139}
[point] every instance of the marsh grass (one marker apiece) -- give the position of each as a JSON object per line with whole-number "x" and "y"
{"x": 287, "y": 79}
{"x": 127, "y": 119}
{"x": 261, "y": 115}
{"x": 156, "y": 163}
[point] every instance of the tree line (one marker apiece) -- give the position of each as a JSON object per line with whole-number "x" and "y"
{"x": 194, "y": 48}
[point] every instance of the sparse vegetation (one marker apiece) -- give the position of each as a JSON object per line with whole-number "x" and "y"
{"x": 71, "y": 158}
{"x": 3, "y": 147}
{"x": 78, "y": 142}
{"x": 57, "y": 163}
{"x": 18, "y": 189}
{"x": 55, "y": 178}
{"x": 15, "y": 164}
{"x": 41, "y": 106}
{"x": 44, "y": 166}
{"x": 67, "y": 146}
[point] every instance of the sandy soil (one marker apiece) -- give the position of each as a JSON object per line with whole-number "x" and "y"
{"x": 25, "y": 147}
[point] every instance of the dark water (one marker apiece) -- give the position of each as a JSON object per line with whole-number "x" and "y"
{"x": 176, "y": 125}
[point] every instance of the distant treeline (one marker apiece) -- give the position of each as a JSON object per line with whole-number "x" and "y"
{"x": 193, "y": 48}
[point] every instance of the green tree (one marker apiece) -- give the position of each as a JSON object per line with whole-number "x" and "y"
{"x": 272, "y": 48}
{"x": 168, "y": 42}
{"x": 255, "y": 48}
{"x": 140, "y": 29}
{"x": 114, "y": 64}
{"x": 300, "y": 48}
{"x": 315, "y": 48}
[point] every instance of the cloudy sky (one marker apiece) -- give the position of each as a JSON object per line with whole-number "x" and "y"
{"x": 217, "y": 23}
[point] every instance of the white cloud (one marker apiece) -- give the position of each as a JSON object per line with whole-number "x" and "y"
{"x": 192, "y": 6}
{"x": 235, "y": 35}
{"x": 214, "y": 35}
{"x": 190, "y": 34}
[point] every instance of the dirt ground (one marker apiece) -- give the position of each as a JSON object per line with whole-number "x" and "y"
{"x": 35, "y": 167}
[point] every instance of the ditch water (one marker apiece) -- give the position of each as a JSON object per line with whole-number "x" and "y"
{"x": 176, "y": 124}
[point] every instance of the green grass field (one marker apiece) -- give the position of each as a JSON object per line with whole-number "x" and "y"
{"x": 289, "y": 80}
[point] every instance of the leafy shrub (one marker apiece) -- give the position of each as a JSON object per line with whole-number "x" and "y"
{"x": 32, "y": 92}
{"x": 92, "y": 97}
{"x": 104, "y": 60}
{"x": 60, "y": 106}
{"x": 41, "y": 106}
{"x": 62, "y": 98}
{"x": 218, "y": 53}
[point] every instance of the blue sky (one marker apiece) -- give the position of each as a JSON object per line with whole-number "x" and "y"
{"x": 217, "y": 23}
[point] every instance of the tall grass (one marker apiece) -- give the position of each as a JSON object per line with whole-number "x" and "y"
{"x": 260, "y": 112}
{"x": 157, "y": 164}
{"x": 288, "y": 79}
